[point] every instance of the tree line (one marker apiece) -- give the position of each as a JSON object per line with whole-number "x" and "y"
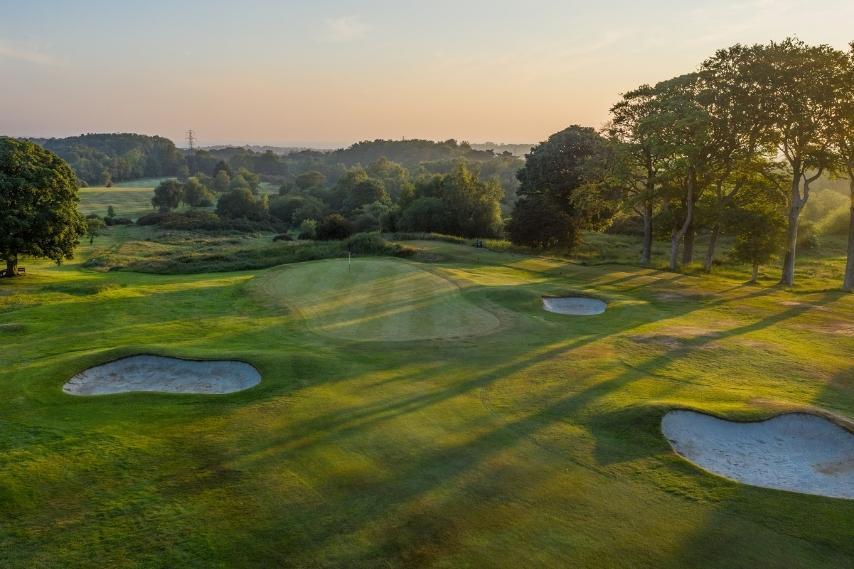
{"x": 732, "y": 148}
{"x": 384, "y": 196}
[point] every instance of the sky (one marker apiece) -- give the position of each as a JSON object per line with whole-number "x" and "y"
{"x": 329, "y": 73}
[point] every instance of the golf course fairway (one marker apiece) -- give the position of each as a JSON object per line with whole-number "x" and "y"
{"x": 533, "y": 443}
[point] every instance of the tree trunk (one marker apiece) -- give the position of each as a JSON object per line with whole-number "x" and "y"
{"x": 646, "y": 253}
{"x": 755, "y": 275}
{"x": 710, "y": 252}
{"x": 848, "y": 283}
{"x": 788, "y": 276}
{"x": 11, "y": 266}
{"x": 688, "y": 251}
{"x": 678, "y": 234}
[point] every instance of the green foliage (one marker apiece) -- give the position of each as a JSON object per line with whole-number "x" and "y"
{"x": 38, "y": 204}
{"x": 221, "y": 181}
{"x": 94, "y": 226}
{"x": 104, "y": 158}
{"x": 366, "y": 192}
{"x": 758, "y": 229}
{"x": 334, "y": 227}
{"x": 458, "y": 203}
{"x": 242, "y": 204}
{"x": 196, "y": 194}
{"x": 168, "y": 195}
{"x": 549, "y": 212}
{"x": 310, "y": 179}
{"x": 308, "y": 229}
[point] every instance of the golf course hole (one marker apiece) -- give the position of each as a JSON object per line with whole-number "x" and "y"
{"x": 574, "y": 305}
{"x": 797, "y": 452}
{"x": 163, "y": 375}
{"x": 375, "y": 300}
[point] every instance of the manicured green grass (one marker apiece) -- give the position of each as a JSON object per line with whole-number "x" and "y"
{"x": 534, "y": 443}
{"x": 376, "y": 300}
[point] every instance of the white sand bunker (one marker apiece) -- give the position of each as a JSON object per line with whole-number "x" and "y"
{"x": 574, "y": 305}
{"x": 165, "y": 375}
{"x": 795, "y": 452}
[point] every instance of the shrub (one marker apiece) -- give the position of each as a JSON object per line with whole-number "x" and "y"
{"x": 241, "y": 204}
{"x": 283, "y": 237}
{"x": 836, "y": 222}
{"x": 308, "y": 229}
{"x": 808, "y": 238}
{"x": 334, "y": 227}
{"x": 110, "y": 221}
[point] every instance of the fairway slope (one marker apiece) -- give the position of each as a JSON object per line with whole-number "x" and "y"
{"x": 376, "y": 300}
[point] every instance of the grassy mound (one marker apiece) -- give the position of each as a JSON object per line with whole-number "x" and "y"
{"x": 376, "y": 300}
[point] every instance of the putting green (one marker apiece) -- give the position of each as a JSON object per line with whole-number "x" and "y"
{"x": 375, "y": 300}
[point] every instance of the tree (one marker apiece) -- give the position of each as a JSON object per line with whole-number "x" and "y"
{"x": 758, "y": 229}
{"x": 638, "y": 156}
{"x": 844, "y": 138}
{"x": 366, "y": 192}
{"x": 196, "y": 194}
{"x": 221, "y": 166}
{"x": 38, "y": 205}
{"x": 238, "y": 182}
{"x": 798, "y": 87}
{"x": 424, "y": 214}
{"x": 394, "y": 177}
{"x": 168, "y": 195}
{"x": 242, "y": 204}
{"x": 309, "y": 180}
{"x": 221, "y": 181}
{"x": 334, "y": 227}
{"x": 94, "y": 226}
{"x": 308, "y": 229}
{"x": 251, "y": 178}
{"x": 538, "y": 223}
{"x": 547, "y": 213}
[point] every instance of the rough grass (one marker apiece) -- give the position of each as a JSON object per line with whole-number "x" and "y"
{"x": 537, "y": 445}
{"x": 153, "y": 250}
{"x": 131, "y": 202}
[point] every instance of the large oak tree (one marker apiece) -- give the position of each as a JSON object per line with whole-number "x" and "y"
{"x": 38, "y": 205}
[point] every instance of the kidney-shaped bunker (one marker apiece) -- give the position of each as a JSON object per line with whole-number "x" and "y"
{"x": 165, "y": 375}
{"x": 797, "y": 452}
{"x": 574, "y": 305}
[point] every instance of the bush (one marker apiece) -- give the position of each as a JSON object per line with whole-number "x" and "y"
{"x": 367, "y": 244}
{"x": 283, "y": 237}
{"x": 242, "y": 204}
{"x": 308, "y": 229}
{"x": 110, "y": 221}
{"x": 836, "y": 222}
{"x": 334, "y": 227}
{"x": 206, "y": 221}
{"x": 808, "y": 238}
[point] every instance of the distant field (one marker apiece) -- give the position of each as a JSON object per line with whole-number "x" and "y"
{"x": 130, "y": 201}
{"x": 142, "y": 182}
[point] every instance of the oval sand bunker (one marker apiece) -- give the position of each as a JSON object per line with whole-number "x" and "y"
{"x": 165, "y": 375}
{"x": 574, "y": 305}
{"x": 795, "y": 452}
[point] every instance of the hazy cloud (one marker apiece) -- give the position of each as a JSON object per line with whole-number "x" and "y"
{"x": 28, "y": 54}
{"x": 343, "y": 29}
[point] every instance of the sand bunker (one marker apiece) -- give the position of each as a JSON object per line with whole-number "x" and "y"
{"x": 165, "y": 375}
{"x": 795, "y": 452}
{"x": 574, "y": 305}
